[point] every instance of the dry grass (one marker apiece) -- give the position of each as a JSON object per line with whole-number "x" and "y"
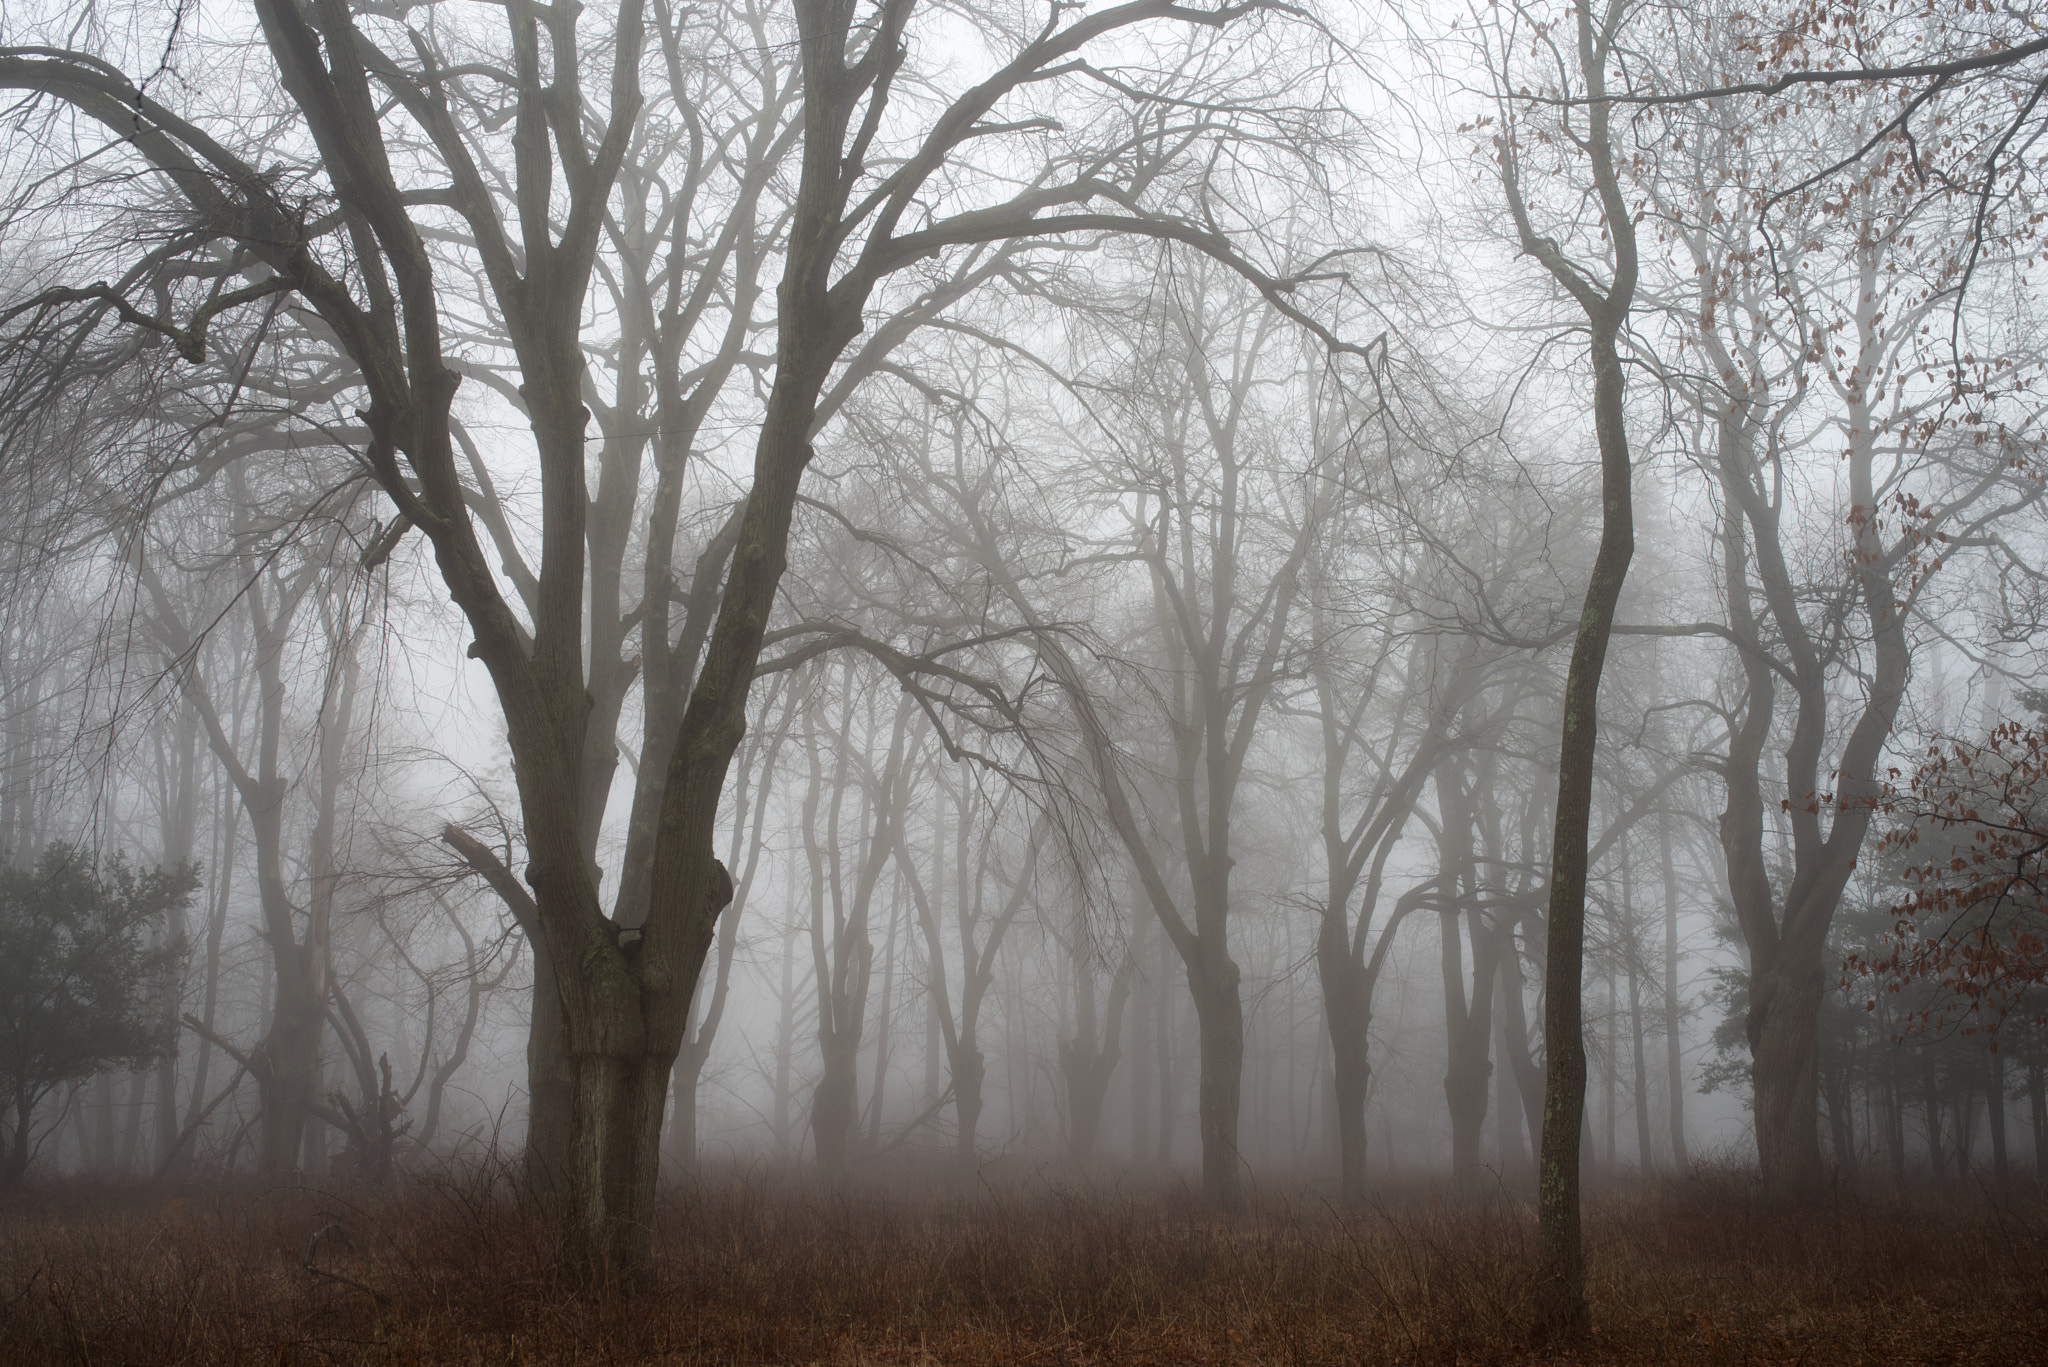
{"x": 760, "y": 1268}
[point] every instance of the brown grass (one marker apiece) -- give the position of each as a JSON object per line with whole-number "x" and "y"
{"x": 761, "y": 1268}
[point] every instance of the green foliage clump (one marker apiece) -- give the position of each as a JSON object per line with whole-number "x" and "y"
{"x": 78, "y": 964}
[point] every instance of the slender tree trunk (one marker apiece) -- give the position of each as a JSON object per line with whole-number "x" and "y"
{"x": 1937, "y": 1159}
{"x": 1090, "y": 1060}
{"x": 1644, "y": 1160}
{"x": 682, "y": 1134}
{"x": 785, "y": 1048}
{"x": 14, "y": 1157}
{"x": 2037, "y": 1111}
{"x": 1674, "y": 1008}
{"x": 105, "y": 1134}
{"x": 1510, "y": 1137}
{"x": 1468, "y": 1030}
{"x": 1169, "y": 1096}
{"x": 1895, "y": 1126}
{"x": 1610, "y": 1108}
{"x": 885, "y": 1021}
{"x": 216, "y": 930}
{"x": 1144, "y": 1065}
{"x": 1994, "y": 1101}
{"x": 1841, "y": 1123}
{"x": 131, "y": 1123}
{"x": 1561, "y": 1312}
{"x": 179, "y": 820}
{"x": 1521, "y": 1058}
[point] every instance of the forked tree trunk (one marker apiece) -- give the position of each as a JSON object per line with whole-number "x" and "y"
{"x": 1089, "y": 1060}
{"x": 1468, "y": 1020}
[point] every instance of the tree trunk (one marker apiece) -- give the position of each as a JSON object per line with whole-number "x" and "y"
{"x": 550, "y": 1089}
{"x": 1219, "y": 1017}
{"x": 682, "y": 1133}
{"x": 1510, "y": 1137}
{"x": 2037, "y": 1111}
{"x": 1162, "y": 1038}
{"x": 1088, "y": 1062}
{"x": 1521, "y": 1058}
{"x": 179, "y": 820}
{"x": 1144, "y": 1065}
{"x": 1937, "y": 1160}
{"x": 1674, "y": 1009}
{"x": 14, "y": 1157}
{"x": 288, "y": 1059}
{"x": 970, "y": 1071}
{"x": 832, "y": 1105}
{"x": 1347, "y": 1012}
{"x": 1994, "y": 1101}
{"x": 131, "y": 1123}
{"x": 1561, "y": 1312}
{"x": 1610, "y": 1107}
{"x": 1784, "y": 1042}
{"x": 1895, "y": 1127}
{"x": 1641, "y": 1069}
{"x": 885, "y": 1020}
{"x": 1468, "y": 1024}
{"x": 785, "y": 1049}
{"x": 1841, "y": 1124}
{"x": 617, "y": 1106}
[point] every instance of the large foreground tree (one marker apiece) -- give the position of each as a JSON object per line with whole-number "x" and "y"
{"x": 325, "y": 203}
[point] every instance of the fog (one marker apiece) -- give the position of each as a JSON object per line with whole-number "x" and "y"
{"x": 1160, "y": 594}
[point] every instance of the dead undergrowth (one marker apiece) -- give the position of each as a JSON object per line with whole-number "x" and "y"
{"x": 761, "y": 1268}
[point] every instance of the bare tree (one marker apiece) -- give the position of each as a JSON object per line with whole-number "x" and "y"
{"x": 1604, "y": 217}
{"x": 874, "y": 196}
{"x": 1828, "y": 345}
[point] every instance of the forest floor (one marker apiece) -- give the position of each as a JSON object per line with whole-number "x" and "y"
{"x": 1025, "y": 1269}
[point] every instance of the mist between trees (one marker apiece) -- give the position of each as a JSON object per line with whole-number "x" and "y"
{"x": 1219, "y": 588}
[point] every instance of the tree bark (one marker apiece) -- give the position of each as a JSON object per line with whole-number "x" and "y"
{"x": 1090, "y": 1060}
{"x": 1674, "y": 1010}
{"x": 1219, "y": 1017}
{"x": 1347, "y": 1010}
{"x": 2037, "y": 1112}
{"x": 1994, "y": 1101}
{"x": 1468, "y": 1021}
{"x": 1561, "y": 1313}
{"x": 1641, "y": 1077}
